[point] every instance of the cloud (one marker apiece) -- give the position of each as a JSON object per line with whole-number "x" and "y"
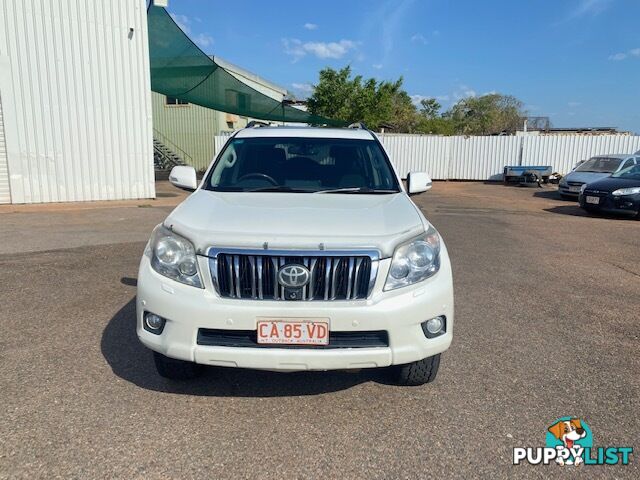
{"x": 182, "y": 21}
{"x": 435, "y": 33}
{"x": 383, "y": 23}
{"x": 463, "y": 91}
{"x": 304, "y": 88}
{"x": 203, "y": 40}
{"x": 419, "y": 38}
{"x": 616, "y": 57}
{"x": 310, "y": 26}
{"x": 298, "y": 49}
{"x": 416, "y": 99}
{"x": 574, "y": 104}
{"x": 377, "y": 66}
{"x": 585, "y": 8}
{"x": 590, "y": 7}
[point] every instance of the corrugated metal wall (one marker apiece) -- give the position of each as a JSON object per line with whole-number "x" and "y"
{"x": 408, "y": 152}
{"x": 80, "y": 112}
{"x": 5, "y": 195}
{"x": 483, "y": 158}
{"x": 563, "y": 152}
{"x": 191, "y": 127}
{"x": 480, "y": 158}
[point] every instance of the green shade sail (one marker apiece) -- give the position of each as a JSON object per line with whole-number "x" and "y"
{"x": 180, "y": 69}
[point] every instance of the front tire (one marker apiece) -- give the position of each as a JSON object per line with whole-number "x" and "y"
{"x": 418, "y": 373}
{"x": 174, "y": 369}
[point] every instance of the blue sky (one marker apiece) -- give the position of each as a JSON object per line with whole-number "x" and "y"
{"x": 576, "y": 61}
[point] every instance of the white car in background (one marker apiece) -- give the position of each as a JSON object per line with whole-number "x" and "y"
{"x": 299, "y": 250}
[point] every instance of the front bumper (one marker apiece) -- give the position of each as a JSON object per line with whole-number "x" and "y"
{"x": 623, "y": 204}
{"x": 399, "y": 313}
{"x": 569, "y": 190}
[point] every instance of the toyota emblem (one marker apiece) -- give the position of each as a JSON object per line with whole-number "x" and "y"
{"x": 294, "y": 276}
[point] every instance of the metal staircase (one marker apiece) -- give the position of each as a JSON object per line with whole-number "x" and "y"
{"x": 167, "y": 154}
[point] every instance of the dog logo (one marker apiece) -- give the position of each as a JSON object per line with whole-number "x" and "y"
{"x": 570, "y": 442}
{"x": 569, "y": 432}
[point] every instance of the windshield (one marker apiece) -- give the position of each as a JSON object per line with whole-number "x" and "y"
{"x": 600, "y": 165}
{"x": 632, "y": 172}
{"x": 303, "y": 165}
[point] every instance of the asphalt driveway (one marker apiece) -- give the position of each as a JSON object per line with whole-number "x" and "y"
{"x": 547, "y": 325}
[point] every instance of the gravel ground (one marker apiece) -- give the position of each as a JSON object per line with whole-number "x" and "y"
{"x": 547, "y": 325}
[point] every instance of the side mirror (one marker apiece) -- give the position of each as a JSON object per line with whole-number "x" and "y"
{"x": 418, "y": 182}
{"x": 184, "y": 177}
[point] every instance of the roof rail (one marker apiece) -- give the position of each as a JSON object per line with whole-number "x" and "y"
{"x": 257, "y": 124}
{"x": 360, "y": 125}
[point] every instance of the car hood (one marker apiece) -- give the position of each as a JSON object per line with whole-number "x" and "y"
{"x": 585, "y": 177}
{"x": 611, "y": 183}
{"x": 296, "y": 220}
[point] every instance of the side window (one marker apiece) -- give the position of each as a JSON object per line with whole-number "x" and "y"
{"x": 627, "y": 164}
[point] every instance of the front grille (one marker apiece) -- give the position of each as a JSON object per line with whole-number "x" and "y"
{"x": 249, "y": 338}
{"x": 335, "y": 275}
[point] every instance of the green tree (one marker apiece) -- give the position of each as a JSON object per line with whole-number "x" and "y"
{"x": 430, "y": 108}
{"x": 338, "y": 95}
{"x": 486, "y": 115}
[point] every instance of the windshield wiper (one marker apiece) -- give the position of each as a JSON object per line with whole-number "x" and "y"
{"x": 357, "y": 190}
{"x": 277, "y": 188}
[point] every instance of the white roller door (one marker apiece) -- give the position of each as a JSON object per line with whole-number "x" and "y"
{"x": 5, "y": 195}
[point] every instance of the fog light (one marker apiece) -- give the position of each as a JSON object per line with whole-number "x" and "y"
{"x": 153, "y": 323}
{"x": 435, "y": 326}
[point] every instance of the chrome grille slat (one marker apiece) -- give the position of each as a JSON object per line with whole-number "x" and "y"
{"x": 252, "y": 262}
{"x": 260, "y": 277}
{"x": 334, "y": 275}
{"x": 236, "y": 272}
{"x": 327, "y": 276}
{"x": 349, "y": 277}
{"x": 312, "y": 283}
{"x": 355, "y": 281}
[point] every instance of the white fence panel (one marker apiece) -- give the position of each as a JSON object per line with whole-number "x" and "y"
{"x": 418, "y": 153}
{"x": 482, "y": 158}
{"x": 218, "y": 143}
{"x": 563, "y": 152}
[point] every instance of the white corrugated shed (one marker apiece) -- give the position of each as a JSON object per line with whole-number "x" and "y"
{"x": 75, "y": 86}
{"x": 5, "y": 195}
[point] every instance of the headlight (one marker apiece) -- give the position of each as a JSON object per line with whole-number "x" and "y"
{"x": 584, "y": 185}
{"x": 415, "y": 261}
{"x": 626, "y": 191}
{"x": 173, "y": 256}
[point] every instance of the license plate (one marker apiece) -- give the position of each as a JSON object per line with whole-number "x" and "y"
{"x": 594, "y": 200}
{"x": 574, "y": 189}
{"x": 293, "y": 332}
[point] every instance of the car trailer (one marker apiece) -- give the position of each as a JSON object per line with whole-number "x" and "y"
{"x": 523, "y": 174}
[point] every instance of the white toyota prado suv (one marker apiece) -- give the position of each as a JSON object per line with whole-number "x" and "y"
{"x": 299, "y": 250}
